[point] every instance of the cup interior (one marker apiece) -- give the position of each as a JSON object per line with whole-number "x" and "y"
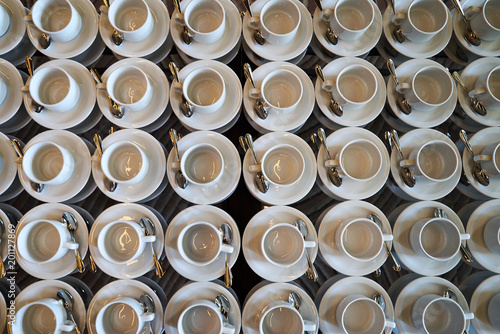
{"x": 427, "y": 16}
{"x": 121, "y": 242}
{"x": 433, "y": 85}
{"x": 201, "y": 243}
{"x": 443, "y": 316}
{"x": 354, "y": 15}
{"x": 202, "y": 164}
{"x": 491, "y": 234}
{"x": 440, "y": 239}
{"x": 44, "y": 162}
{"x": 283, "y": 245}
{"x": 282, "y": 89}
{"x": 363, "y": 316}
{"x": 282, "y": 320}
{"x": 128, "y": 15}
{"x": 39, "y": 318}
{"x": 357, "y": 84}
{"x": 361, "y": 159}
{"x": 491, "y": 12}
{"x": 283, "y": 165}
{"x": 280, "y": 17}
{"x": 49, "y": 86}
{"x": 493, "y": 311}
{"x": 204, "y": 16}
{"x": 128, "y": 85}
{"x": 361, "y": 239}
{"x": 204, "y": 87}
{"x": 123, "y": 161}
{"x": 437, "y": 160}
{"x": 51, "y": 15}
{"x": 42, "y": 241}
{"x": 120, "y": 318}
{"x": 201, "y": 319}
{"x": 493, "y": 80}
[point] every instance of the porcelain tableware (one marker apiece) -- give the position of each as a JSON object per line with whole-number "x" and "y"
{"x": 349, "y": 19}
{"x": 487, "y": 89}
{"x": 45, "y": 315}
{"x": 203, "y": 316}
{"x": 132, "y": 19}
{"x": 123, "y": 314}
{"x": 484, "y": 20}
{"x": 282, "y": 317}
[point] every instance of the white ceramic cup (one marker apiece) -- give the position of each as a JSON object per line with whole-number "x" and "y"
{"x": 43, "y": 241}
{"x": 200, "y": 243}
{"x": 283, "y": 245}
{"x": 423, "y": 20}
{"x": 281, "y": 317}
{"x": 429, "y": 88}
{"x": 122, "y": 241}
{"x": 204, "y": 19}
{"x": 434, "y": 314}
{"x": 490, "y": 158}
{"x": 203, "y": 317}
{"x": 487, "y": 89}
{"x": 359, "y": 160}
{"x": 360, "y": 239}
{"x": 54, "y": 88}
{"x": 281, "y": 90}
{"x": 354, "y": 87}
{"x": 436, "y": 161}
{"x": 361, "y": 315}
{"x": 201, "y": 164}
{"x": 485, "y": 20}
{"x": 130, "y": 87}
{"x": 122, "y": 315}
{"x": 48, "y": 163}
{"x": 491, "y": 234}
{"x": 493, "y": 311}
{"x": 350, "y": 19}
{"x": 5, "y": 20}
{"x": 57, "y": 18}
{"x": 278, "y": 21}
{"x": 125, "y": 162}
{"x": 130, "y": 18}
{"x": 45, "y": 315}
{"x": 438, "y": 239}
{"x": 204, "y": 88}
{"x": 282, "y": 165}
{"x": 4, "y": 90}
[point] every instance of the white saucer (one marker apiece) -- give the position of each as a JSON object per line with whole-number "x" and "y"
{"x": 192, "y": 292}
{"x": 351, "y": 117}
{"x": 343, "y": 288}
{"x": 479, "y": 304}
{"x": 14, "y": 98}
{"x": 127, "y": 212}
{"x": 90, "y": 56}
{"x": 78, "y": 182}
{"x": 124, "y": 288}
{"x": 478, "y": 142}
{"x": 161, "y": 27}
{"x": 252, "y": 238}
{"x": 226, "y": 59}
{"x": 206, "y": 213}
{"x": 257, "y": 303}
{"x": 276, "y": 52}
{"x": 411, "y": 49}
{"x": 281, "y": 195}
{"x": 48, "y": 289}
{"x": 259, "y": 61}
{"x": 414, "y": 290}
{"x": 469, "y": 76}
{"x": 8, "y": 168}
{"x": 423, "y": 189}
{"x": 352, "y": 48}
{"x": 65, "y": 265}
{"x": 7, "y": 211}
{"x": 78, "y": 114}
{"x": 77, "y": 45}
{"x": 401, "y": 230}
{"x": 215, "y": 50}
{"x": 419, "y": 118}
{"x": 281, "y": 121}
{"x": 487, "y": 48}
{"x": 201, "y": 121}
{"x": 11, "y": 39}
{"x": 154, "y": 151}
{"x": 228, "y": 182}
{"x": 351, "y": 189}
{"x": 328, "y": 224}
{"x": 156, "y": 107}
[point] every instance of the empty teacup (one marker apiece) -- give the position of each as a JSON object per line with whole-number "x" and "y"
{"x": 200, "y": 243}
{"x": 43, "y": 241}
{"x": 122, "y": 315}
{"x": 132, "y": 19}
{"x": 434, "y": 314}
{"x": 283, "y": 245}
{"x": 281, "y": 91}
{"x": 203, "y": 317}
{"x": 490, "y": 158}
{"x": 438, "y": 239}
{"x": 278, "y": 21}
{"x": 493, "y": 311}
{"x": 485, "y": 20}
{"x": 360, "y": 239}
{"x": 282, "y": 165}
{"x": 429, "y": 88}
{"x": 124, "y": 162}
{"x": 350, "y": 19}
{"x": 361, "y": 315}
{"x": 282, "y": 318}
{"x": 45, "y": 315}
{"x": 54, "y": 89}
{"x": 359, "y": 160}
{"x": 487, "y": 89}
{"x": 491, "y": 235}
{"x": 436, "y": 161}
{"x": 122, "y": 241}
{"x": 48, "y": 163}
{"x": 202, "y": 164}
{"x": 58, "y": 19}
{"x": 423, "y": 20}
{"x": 130, "y": 87}
{"x": 204, "y": 19}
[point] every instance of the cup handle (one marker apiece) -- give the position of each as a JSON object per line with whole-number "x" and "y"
{"x": 101, "y": 86}
{"x": 390, "y": 324}
{"x": 309, "y": 244}
{"x": 332, "y": 163}
{"x": 226, "y": 248}
{"x": 309, "y": 326}
{"x": 468, "y": 315}
{"x": 254, "y": 22}
{"x": 388, "y": 237}
{"x": 478, "y": 91}
{"x": 71, "y": 245}
{"x": 403, "y": 87}
{"x": 254, "y": 168}
{"x": 228, "y": 328}
{"x": 146, "y": 317}
{"x": 472, "y": 11}
{"x": 149, "y": 238}
{"x": 67, "y": 326}
{"x": 465, "y": 236}
{"x": 254, "y": 93}
{"x": 482, "y": 157}
{"x": 407, "y": 163}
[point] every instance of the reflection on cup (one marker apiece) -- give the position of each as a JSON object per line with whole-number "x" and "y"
{"x": 131, "y": 18}
{"x": 204, "y": 19}
{"x": 350, "y": 19}
{"x": 485, "y": 20}
{"x": 487, "y": 89}
{"x": 203, "y": 317}
{"x": 280, "y": 317}
{"x": 491, "y": 235}
{"x": 122, "y": 315}
{"x": 202, "y": 164}
{"x": 490, "y": 158}
{"x": 124, "y": 162}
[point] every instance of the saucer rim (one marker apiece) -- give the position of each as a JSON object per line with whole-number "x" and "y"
{"x": 21, "y": 11}
{"x": 481, "y": 293}
{"x": 14, "y": 100}
{"x": 9, "y": 176}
